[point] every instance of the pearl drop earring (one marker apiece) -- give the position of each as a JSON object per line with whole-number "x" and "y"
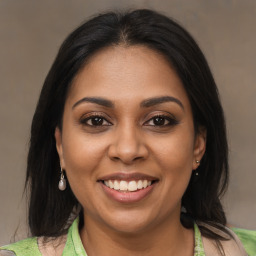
{"x": 62, "y": 182}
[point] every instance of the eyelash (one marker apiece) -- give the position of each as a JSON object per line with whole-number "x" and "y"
{"x": 84, "y": 120}
{"x": 171, "y": 121}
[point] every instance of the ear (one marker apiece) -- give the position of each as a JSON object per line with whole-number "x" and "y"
{"x": 58, "y": 138}
{"x": 199, "y": 146}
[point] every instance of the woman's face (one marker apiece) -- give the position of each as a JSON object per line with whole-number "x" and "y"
{"x": 128, "y": 143}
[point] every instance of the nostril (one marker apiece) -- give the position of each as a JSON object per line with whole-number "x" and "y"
{"x": 126, "y": 159}
{"x": 139, "y": 157}
{"x": 127, "y": 146}
{"x": 115, "y": 158}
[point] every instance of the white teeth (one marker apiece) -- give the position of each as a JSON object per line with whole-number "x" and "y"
{"x": 111, "y": 184}
{"x": 123, "y": 185}
{"x": 140, "y": 184}
{"x": 132, "y": 186}
{"x": 116, "y": 185}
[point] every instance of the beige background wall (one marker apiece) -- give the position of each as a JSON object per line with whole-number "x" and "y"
{"x": 30, "y": 34}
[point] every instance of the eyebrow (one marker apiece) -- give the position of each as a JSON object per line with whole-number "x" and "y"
{"x": 144, "y": 104}
{"x": 158, "y": 100}
{"x": 97, "y": 100}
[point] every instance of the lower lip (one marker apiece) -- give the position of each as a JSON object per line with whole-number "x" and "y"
{"x": 127, "y": 197}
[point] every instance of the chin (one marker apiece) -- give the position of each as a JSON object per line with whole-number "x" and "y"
{"x": 130, "y": 228}
{"x": 130, "y": 224}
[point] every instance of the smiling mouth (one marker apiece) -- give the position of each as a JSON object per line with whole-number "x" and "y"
{"x": 128, "y": 186}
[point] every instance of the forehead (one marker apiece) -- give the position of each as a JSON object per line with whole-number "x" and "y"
{"x": 132, "y": 73}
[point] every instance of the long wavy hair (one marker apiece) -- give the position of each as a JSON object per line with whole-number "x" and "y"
{"x": 49, "y": 208}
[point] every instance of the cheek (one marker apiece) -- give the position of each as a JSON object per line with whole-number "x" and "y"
{"x": 175, "y": 158}
{"x": 82, "y": 155}
{"x": 176, "y": 152}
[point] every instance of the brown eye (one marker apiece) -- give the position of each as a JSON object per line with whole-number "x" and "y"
{"x": 95, "y": 121}
{"x": 161, "y": 121}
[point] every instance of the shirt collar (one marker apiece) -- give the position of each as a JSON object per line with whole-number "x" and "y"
{"x": 74, "y": 244}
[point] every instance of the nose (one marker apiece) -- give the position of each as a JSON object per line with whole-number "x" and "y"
{"x": 127, "y": 146}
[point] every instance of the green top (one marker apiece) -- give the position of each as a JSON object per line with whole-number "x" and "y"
{"x": 248, "y": 239}
{"x": 74, "y": 246}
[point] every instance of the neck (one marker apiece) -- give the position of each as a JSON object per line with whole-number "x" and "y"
{"x": 168, "y": 238}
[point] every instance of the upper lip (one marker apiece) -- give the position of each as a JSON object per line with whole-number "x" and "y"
{"x": 128, "y": 176}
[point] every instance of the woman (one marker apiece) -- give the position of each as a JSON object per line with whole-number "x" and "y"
{"x": 128, "y": 152}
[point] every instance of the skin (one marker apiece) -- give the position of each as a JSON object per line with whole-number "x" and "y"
{"x": 128, "y": 140}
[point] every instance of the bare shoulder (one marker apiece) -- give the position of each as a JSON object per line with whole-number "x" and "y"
{"x": 232, "y": 247}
